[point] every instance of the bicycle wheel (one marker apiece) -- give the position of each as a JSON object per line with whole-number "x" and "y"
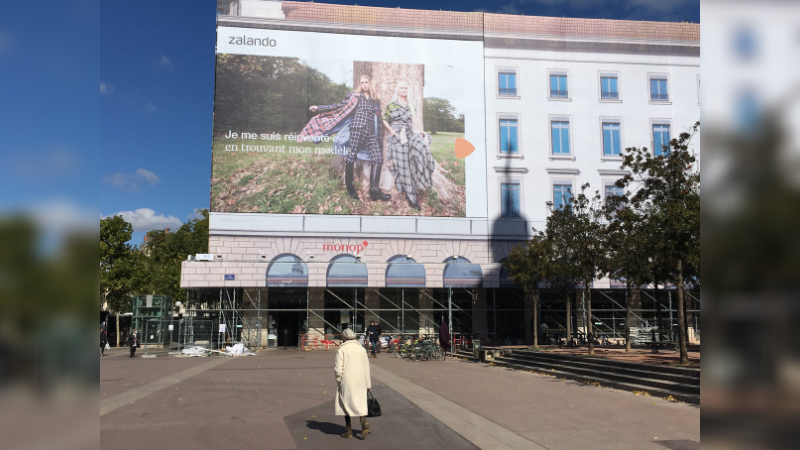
{"x": 438, "y": 353}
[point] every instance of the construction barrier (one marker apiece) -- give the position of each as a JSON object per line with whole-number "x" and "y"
{"x": 318, "y": 342}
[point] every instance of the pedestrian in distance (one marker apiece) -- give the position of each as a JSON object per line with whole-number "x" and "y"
{"x": 444, "y": 337}
{"x": 374, "y": 333}
{"x": 103, "y": 341}
{"x": 353, "y": 378}
{"x": 133, "y": 341}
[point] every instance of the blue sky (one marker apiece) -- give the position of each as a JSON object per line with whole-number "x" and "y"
{"x": 143, "y": 144}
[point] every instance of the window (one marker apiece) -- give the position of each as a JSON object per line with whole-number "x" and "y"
{"x": 507, "y": 82}
{"x": 562, "y": 192}
{"x": 510, "y": 200}
{"x": 608, "y": 87}
{"x": 559, "y": 130}
{"x": 658, "y": 88}
{"x": 558, "y": 85}
{"x": 509, "y": 139}
{"x": 660, "y": 139}
{"x": 611, "y": 137}
{"x": 613, "y": 191}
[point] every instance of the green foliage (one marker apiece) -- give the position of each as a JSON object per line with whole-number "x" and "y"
{"x": 576, "y": 232}
{"x": 159, "y": 259}
{"x": 530, "y": 264}
{"x": 668, "y": 199}
{"x": 116, "y": 259}
{"x": 266, "y": 94}
{"x": 630, "y": 240}
{"x": 440, "y": 115}
{"x": 152, "y": 268}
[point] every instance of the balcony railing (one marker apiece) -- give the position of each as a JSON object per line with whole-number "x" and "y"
{"x": 610, "y": 95}
{"x": 557, "y": 94}
{"x": 508, "y": 91}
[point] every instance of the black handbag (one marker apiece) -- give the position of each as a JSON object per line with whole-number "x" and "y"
{"x": 373, "y": 407}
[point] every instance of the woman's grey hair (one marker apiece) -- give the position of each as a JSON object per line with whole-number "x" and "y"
{"x": 408, "y": 98}
{"x": 348, "y": 335}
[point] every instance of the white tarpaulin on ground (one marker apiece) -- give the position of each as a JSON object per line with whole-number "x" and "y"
{"x": 194, "y": 351}
{"x": 239, "y": 349}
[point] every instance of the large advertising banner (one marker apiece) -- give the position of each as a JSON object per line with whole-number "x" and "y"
{"x": 316, "y": 123}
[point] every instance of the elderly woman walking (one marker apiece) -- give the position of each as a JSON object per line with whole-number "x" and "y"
{"x": 352, "y": 376}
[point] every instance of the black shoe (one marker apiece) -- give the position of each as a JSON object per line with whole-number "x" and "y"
{"x": 374, "y": 182}
{"x": 414, "y": 205}
{"x": 348, "y": 181}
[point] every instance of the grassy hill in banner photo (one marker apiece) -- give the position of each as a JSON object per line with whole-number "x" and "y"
{"x": 310, "y": 183}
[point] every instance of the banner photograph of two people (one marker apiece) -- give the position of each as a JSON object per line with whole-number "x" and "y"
{"x": 331, "y": 135}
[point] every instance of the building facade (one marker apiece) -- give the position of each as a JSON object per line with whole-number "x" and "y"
{"x": 560, "y": 99}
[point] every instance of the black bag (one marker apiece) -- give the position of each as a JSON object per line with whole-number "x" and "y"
{"x": 373, "y": 407}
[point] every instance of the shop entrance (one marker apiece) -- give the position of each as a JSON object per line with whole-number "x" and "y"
{"x": 288, "y": 328}
{"x": 287, "y": 308}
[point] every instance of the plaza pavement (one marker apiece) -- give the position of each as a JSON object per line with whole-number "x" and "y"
{"x": 283, "y": 399}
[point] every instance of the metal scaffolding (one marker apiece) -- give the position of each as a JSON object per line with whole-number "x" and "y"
{"x": 275, "y": 316}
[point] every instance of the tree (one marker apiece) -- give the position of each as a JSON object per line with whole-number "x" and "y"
{"x": 115, "y": 263}
{"x": 629, "y": 242}
{"x": 670, "y": 192}
{"x": 578, "y": 229}
{"x": 529, "y": 265}
{"x": 440, "y": 115}
{"x": 159, "y": 263}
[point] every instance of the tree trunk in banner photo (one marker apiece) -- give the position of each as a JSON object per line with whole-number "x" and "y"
{"x": 385, "y": 77}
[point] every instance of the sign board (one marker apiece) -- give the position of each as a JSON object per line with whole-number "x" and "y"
{"x": 444, "y": 79}
{"x": 230, "y": 277}
{"x": 272, "y": 336}
{"x": 222, "y": 328}
{"x": 345, "y": 317}
{"x": 170, "y": 327}
{"x": 204, "y": 257}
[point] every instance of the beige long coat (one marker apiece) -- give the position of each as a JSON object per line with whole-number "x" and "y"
{"x": 352, "y": 375}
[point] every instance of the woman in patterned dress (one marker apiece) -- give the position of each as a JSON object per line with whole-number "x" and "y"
{"x": 408, "y": 149}
{"x": 364, "y": 133}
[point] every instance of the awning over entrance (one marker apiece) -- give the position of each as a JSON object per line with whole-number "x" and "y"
{"x": 287, "y": 270}
{"x": 346, "y": 270}
{"x": 460, "y": 272}
{"x": 404, "y": 272}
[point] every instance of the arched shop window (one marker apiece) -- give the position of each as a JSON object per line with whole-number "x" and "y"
{"x": 404, "y": 272}
{"x": 346, "y": 271}
{"x": 459, "y": 272}
{"x": 287, "y": 270}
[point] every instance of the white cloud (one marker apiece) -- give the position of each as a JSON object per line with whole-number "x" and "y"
{"x": 145, "y": 219}
{"x": 148, "y": 176}
{"x": 163, "y": 63}
{"x": 195, "y": 214}
{"x": 150, "y": 106}
{"x": 61, "y": 216}
{"x": 133, "y": 182}
{"x": 106, "y": 89}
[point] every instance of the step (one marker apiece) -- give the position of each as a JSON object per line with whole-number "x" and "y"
{"x": 655, "y": 392}
{"x": 672, "y": 386}
{"x": 686, "y": 371}
{"x": 637, "y": 370}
